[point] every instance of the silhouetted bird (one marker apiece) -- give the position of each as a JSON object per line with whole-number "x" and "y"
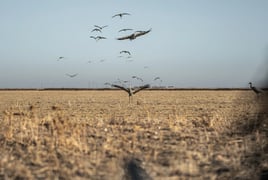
{"x": 100, "y": 27}
{"x": 134, "y": 35}
{"x": 256, "y": 90}
{"x": 120, "y": 15}
{"x": 127, "y": 52}
{"x": 98, "y": 37}
{"x": 72, "y": 75}
{"x": 131, "y": 91}
{"x": 96, "y": 29}
{"x": 61, "y": 57}
{"x": 127, "y": 29}
{"x": 156, "y": 78}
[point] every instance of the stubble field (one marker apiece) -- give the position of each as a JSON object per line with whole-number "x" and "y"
{"x": 161, "y": 135}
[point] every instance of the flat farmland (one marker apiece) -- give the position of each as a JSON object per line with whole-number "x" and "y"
{"x": 161, "y": 135}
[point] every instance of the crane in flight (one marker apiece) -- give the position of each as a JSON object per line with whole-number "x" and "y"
{"x": 126, "y": 29}
{"x": 100, "y": 27}
{"x": 120, "y": 15}
{"x": 131, "y": 91}
{"x": 124, "y": 51}
{"x": 72, "y": 75}
{"x": 134, "y": 35}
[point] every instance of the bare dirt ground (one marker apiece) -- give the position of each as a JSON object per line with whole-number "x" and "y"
{"x": 161, "y": 135}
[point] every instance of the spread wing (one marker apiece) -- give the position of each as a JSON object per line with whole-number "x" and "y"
{"x": 96, "y": 29}
{"x": 140, "y": 33}
{"x": 125, "y": 14}
{"x": 141, "y": 88}
{"x": 125, "y": 37}
{"x": 120, "y": 87}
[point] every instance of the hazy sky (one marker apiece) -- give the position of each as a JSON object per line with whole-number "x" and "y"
{"x": 204, "y": 43}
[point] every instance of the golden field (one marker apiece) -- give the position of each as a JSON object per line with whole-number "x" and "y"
{"x": 160, "y": 135}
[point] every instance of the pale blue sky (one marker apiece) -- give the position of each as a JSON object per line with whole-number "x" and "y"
{"x": 204, "y": 43}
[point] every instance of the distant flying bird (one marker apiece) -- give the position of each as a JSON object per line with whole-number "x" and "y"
{"x": 131, "y": 91}
{"x": 61, "y": 57}
{"x": 96, "y": 29}
{"x": 127, "y": 29}
{"x": 256, "y": 90}
{"x": 127, "y": 52}
{"x": 107, "y": 84}
{"x": 71, "y": 75}
{"x": 100, "y": 27}
{"x": 98, "y": 37}
{"x": 146, "y": 67}
{"x": 156, "y": 78}
{"x": 120, "y": 15}
{"x": 102, "y": 60}
{"x": 138, "y": 78}
{"x": 134, "y": 35}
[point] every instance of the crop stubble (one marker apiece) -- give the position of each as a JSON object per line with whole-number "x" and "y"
{"x": 172, "y": 134}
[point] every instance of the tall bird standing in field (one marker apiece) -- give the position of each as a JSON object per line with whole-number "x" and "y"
{"x": 134, "y": 35}
{"x": 131, "y": 91}
{"x": 256, "y": 90}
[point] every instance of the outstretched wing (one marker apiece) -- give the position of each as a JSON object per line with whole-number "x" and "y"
{"x": 120, "y": 87}
{"x": 96, "y": 29}
{"x": 115, "y": 15}
{"x": 140, "y": 33}
{"x": 141, "y": 88}
{"x": 125, "y": 37}
{"x": 125, "y": 14}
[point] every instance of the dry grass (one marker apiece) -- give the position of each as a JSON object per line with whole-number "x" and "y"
{"x": 169, "y": 134}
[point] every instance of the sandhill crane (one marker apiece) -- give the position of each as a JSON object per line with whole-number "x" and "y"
{"x": 72, "y": 75}
{"x": 256, "y": 90}
{"x": 98, "y": 37}
{"x": 156, "y": 78}
{"x": 138, "y": 78}
{"x": 127, "y": 52}
{"x": 100, "y": 27}
{"x": 61, "y": 57}
{"x": 96, "y": 29}
{"x": 126, "y": 29}
{"x": 134, "y": 35}
{"x": 131, "y": 91}
{"x": 120, "y": 15}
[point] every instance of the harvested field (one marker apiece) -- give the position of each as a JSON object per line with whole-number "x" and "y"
{"x": 161, "y": 135}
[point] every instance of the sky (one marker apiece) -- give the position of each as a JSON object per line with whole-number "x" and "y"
{"x": 196, "y": 44}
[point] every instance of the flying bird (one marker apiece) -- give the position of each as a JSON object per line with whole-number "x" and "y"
{"x": 71, "y": 75}
{"x": 120, "y": 15}
{"x": 127, "y": 29}
{"x": 156, "y": 78}
{"x": 134, "y": 35}
{"x": 131, "y": 91}
{"x": 61, "y": 57}
{"x": 138, "y": 78}
{"x": 255, "y": 89}
{"x": 98, "y": 37}
{"x": 96, "y": 29}
{"x": 127, "y": 52}
{"x": 100, "y": 27}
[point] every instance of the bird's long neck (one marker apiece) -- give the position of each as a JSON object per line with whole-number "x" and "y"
{"x": 250, "y": 85}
